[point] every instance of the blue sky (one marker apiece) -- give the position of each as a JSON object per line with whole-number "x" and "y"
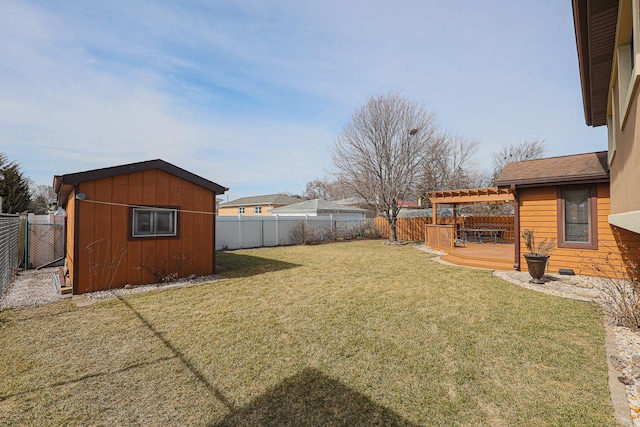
{"x": 252, "y": 94}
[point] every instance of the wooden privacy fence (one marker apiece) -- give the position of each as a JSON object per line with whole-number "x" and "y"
{"x": 414, "y": 229}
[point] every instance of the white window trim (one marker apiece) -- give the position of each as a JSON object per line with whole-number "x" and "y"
{"x": 628, "y": 78}
{"x": 611, "y": 136}
{"x": 241, "y": 210}
{"x": 257, "y": 210}
{"x": 153, "y": 223}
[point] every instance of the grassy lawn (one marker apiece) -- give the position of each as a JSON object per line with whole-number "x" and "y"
{"x": 347, "y": 334}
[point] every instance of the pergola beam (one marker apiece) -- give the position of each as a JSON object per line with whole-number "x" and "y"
{"x": 475, "y": 195}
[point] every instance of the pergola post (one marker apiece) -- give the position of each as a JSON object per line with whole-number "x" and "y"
{"x": 435, "y": 213}
{"x": 455, "y": 220}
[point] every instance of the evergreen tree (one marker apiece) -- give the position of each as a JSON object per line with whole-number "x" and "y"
{"x": 14, "y": 187}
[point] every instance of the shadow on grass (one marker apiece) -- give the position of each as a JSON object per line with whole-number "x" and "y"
{"x": 310, "y": 398}
{"x": 217, "y": 393}
{"x": 233, "y": 265}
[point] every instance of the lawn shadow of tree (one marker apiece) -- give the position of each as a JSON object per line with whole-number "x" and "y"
{"x": 311, "y": 398}
{"x": 233, "y": 265}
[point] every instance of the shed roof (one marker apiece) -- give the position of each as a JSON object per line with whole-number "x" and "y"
{"x": 577, "y": 168}
{"x": 62, "y": 184}
{"x": 317, "y": 206}
{"x": 268, "y": 199}
{"x": 595, "y": 28}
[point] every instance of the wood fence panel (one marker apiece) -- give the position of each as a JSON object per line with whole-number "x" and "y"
{"x": 414, "y": 229}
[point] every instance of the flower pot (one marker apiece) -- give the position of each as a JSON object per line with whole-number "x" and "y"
{"x": 536, "y": 265}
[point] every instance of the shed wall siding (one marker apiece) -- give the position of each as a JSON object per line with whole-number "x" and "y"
{"x": 146, "y": 259}
{"x": 538, "y": 211}
{"x": 70, "y": 235}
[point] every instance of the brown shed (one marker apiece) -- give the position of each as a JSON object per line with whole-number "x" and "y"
{"x": 136, "y": 224}
{"x": 566, "y": 198}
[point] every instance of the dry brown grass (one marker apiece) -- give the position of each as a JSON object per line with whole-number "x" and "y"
{"x": 356, "y": 333}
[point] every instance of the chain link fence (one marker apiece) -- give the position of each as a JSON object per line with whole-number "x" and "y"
{"x": 9, "y": 226}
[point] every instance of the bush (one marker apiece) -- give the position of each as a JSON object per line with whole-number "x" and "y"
{"x": 620, "y": 289}
{"x": 309, "y": 234}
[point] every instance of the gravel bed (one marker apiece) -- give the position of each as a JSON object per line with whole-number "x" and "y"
{"x": 141, "y": 289}
{"x": 31, "y": 287}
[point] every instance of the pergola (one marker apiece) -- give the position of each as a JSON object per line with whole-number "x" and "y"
{"x": 470, "y": 196}
{"x": 443, "y": 236}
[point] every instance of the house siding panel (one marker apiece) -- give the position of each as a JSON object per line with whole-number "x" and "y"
{"x": 538, "y": 211}
{"x": 624, "y": 167}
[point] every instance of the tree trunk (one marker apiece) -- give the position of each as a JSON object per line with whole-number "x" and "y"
{"x": 393, "y": 236}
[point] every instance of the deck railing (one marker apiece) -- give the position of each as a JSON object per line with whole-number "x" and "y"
{"x": 440, "y": 237}
{"x": 414, "y": 229}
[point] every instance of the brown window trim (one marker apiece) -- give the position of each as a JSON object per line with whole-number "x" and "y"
{"x": 593, "y": 218}
{"x": 130, "y": 235}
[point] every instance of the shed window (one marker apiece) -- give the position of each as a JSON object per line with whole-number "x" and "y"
{"x": 154, "y": 222}
{"x": 577, "y": 218}
{"x": 257, "y": 210}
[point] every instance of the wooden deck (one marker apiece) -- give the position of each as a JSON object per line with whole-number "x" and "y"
{"x": 498, "y": 256}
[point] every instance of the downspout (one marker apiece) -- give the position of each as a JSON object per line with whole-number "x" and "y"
{"x": 516, "y": 228}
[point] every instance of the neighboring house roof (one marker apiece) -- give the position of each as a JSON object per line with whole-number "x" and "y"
{"x": 595, "y": 27}
{"x": 269, "y": 199}
{"x": 317, "y": 206}
{"x": 407, "y": 204}
{"x": 578, "y": 168}
{"x": 351, "y": 201}
{"x": 63, "y": 184}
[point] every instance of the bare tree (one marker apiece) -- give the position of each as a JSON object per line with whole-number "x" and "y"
{"x": 451, "y": 165}
{"x": 327, "y": 189}
{"x": 524, "y": 150}
{"x": 40, "y": 196}
{"x": 381, "y": 153}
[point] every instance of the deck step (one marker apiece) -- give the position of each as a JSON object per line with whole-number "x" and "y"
{"x": 66, "y": 290}
{"x": 476, "y": 261}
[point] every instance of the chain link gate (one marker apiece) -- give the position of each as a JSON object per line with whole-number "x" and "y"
{"x": 44, "y": 241}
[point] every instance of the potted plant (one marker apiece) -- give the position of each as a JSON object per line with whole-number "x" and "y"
{"x": 538, "y": 254}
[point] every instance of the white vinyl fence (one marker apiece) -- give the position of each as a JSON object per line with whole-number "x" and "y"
{"x": 244, "y": 232}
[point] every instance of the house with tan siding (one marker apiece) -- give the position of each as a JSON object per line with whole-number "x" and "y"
{"x": 608, "y": 43}
{"x": 255, "y": 205}
{"x": 566, "y": 198}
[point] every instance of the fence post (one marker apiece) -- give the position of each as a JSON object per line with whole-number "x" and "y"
{"x": 26, "y": 244}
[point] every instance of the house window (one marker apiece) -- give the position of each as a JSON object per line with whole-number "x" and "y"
{"x": 257, "y": 210}
{"x": 577, "y": 217}
{"x": 154, "y": 222}
{"x": 241, "y": 211}
{"x": 627, "y": 53}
